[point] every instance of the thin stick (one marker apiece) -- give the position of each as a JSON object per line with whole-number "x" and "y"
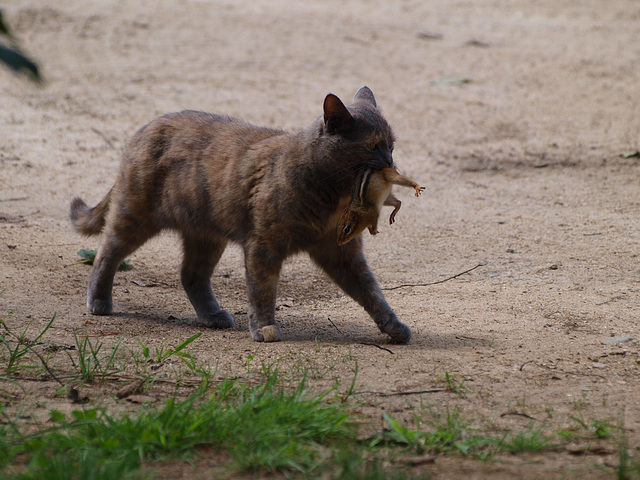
{"x": 44, "y": 364}
{"x": 13, "y": 199}
{"x": 435, "y": 283}
{"x": 400, "y": 394}
{"x": 377, "y": 346}
{"x": 104, "y": 137}
{"x": 517, "y": 414}
{"x": 336, "y": 327}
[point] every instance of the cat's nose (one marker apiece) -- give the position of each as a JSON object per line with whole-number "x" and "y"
{"x": 388, "y": 159}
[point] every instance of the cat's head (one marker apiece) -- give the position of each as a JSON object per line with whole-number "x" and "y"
{"x": 359, "y": 130}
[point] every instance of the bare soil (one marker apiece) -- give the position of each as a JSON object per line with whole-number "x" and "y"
{"x": 524, "y": 174}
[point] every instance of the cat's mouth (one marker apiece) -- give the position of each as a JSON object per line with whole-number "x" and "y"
{"x": 379, "y": 163}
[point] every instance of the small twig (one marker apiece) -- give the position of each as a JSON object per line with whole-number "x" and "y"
{"x": 13, "y": 199}
{"x": 104, "y": 137}
{"x": 464, "y": 337}
{"x": 437, "y": 282}
{"x": 522, "y": 366}
{"x": 518, "y": 414}
{"x": 40, "y": 379}
{"x": 84, "y": 260}
{"x": 46, "y": 367}
{"x": 400, "y": 394}
{"x": 377, "y": 346}
{"x": 335, "y": 326}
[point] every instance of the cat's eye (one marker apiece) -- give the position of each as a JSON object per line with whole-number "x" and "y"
{"x": 372, "y": 146}
{"x": 391, "y": 148}
{"x": 347, "y": 229}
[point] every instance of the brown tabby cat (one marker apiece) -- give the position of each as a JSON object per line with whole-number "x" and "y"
{"x": 217, "y": 179}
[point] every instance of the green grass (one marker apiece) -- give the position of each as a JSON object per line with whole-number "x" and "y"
{"x": 161, "y": 354}
{"x": 261, "y": 427}
{"x": 278, "y": 425}
{"x": 91, "y": 362}
{"x": 454, "y": 385}
{"x": 17, "y": 345}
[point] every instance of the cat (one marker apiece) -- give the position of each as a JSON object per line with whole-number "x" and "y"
{"x": 216, "y": 179}
{"x": 371, "y": 191}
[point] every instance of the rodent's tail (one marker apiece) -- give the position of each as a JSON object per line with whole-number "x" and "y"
{"x": 86, "y": 220}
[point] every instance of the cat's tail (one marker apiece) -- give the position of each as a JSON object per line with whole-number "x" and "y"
{"x": 86, "y": 220}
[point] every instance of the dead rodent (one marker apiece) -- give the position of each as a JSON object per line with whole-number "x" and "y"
{"x": 372, "y": 192}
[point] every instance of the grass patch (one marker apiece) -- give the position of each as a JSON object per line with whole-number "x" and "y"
{"x": 17, "y": 345}
{"x": 278, "y": 425}
{"x": 261, "y": 427}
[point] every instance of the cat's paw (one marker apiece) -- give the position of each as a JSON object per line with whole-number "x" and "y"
{"x": 268, "y": 333}
{"x": 221, "y": 319}
{"x": 398, "y": 331}
{"x": 98, "y": 306}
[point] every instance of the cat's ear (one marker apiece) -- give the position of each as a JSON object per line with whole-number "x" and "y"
{"x": 365, "y": 95}
{"x": 336, "y": 115}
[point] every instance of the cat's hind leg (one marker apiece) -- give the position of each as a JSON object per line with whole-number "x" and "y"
{"x": 200, "y": 256}
{"x": 119, "y": 239}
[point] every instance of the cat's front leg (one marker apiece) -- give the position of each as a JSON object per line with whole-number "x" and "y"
{"x": 262, "y": 271}
{"x": 347, "y": 266}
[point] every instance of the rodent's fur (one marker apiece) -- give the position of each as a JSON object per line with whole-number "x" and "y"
{"x": 373, "y": 191}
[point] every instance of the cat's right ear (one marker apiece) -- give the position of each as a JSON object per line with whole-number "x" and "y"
{"x": 336, "y": 115}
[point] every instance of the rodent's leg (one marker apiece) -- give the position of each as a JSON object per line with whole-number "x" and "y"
{"x": 199, "y": 259}
{"x": 347, "y": 266}
{"x": 262, "y": 267}
{"x": 393, "y": 201}
{"x": 392, "y": 176}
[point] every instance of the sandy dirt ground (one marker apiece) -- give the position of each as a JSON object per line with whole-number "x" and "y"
{"x": 522, "y": 162}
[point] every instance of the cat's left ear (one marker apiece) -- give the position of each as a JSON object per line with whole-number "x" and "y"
{"x": 365, "y": 95}
{"x": 336, "y": 115}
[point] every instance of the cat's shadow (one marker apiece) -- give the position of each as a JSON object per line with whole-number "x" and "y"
{"x": 376, "y": 340}
{"x": 356, "y": 335}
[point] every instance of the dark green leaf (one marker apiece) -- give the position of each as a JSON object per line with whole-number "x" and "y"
{"x": 19, "y": 63}
{"x": 56, "y": 416}
{"x": 89, "y": 256}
